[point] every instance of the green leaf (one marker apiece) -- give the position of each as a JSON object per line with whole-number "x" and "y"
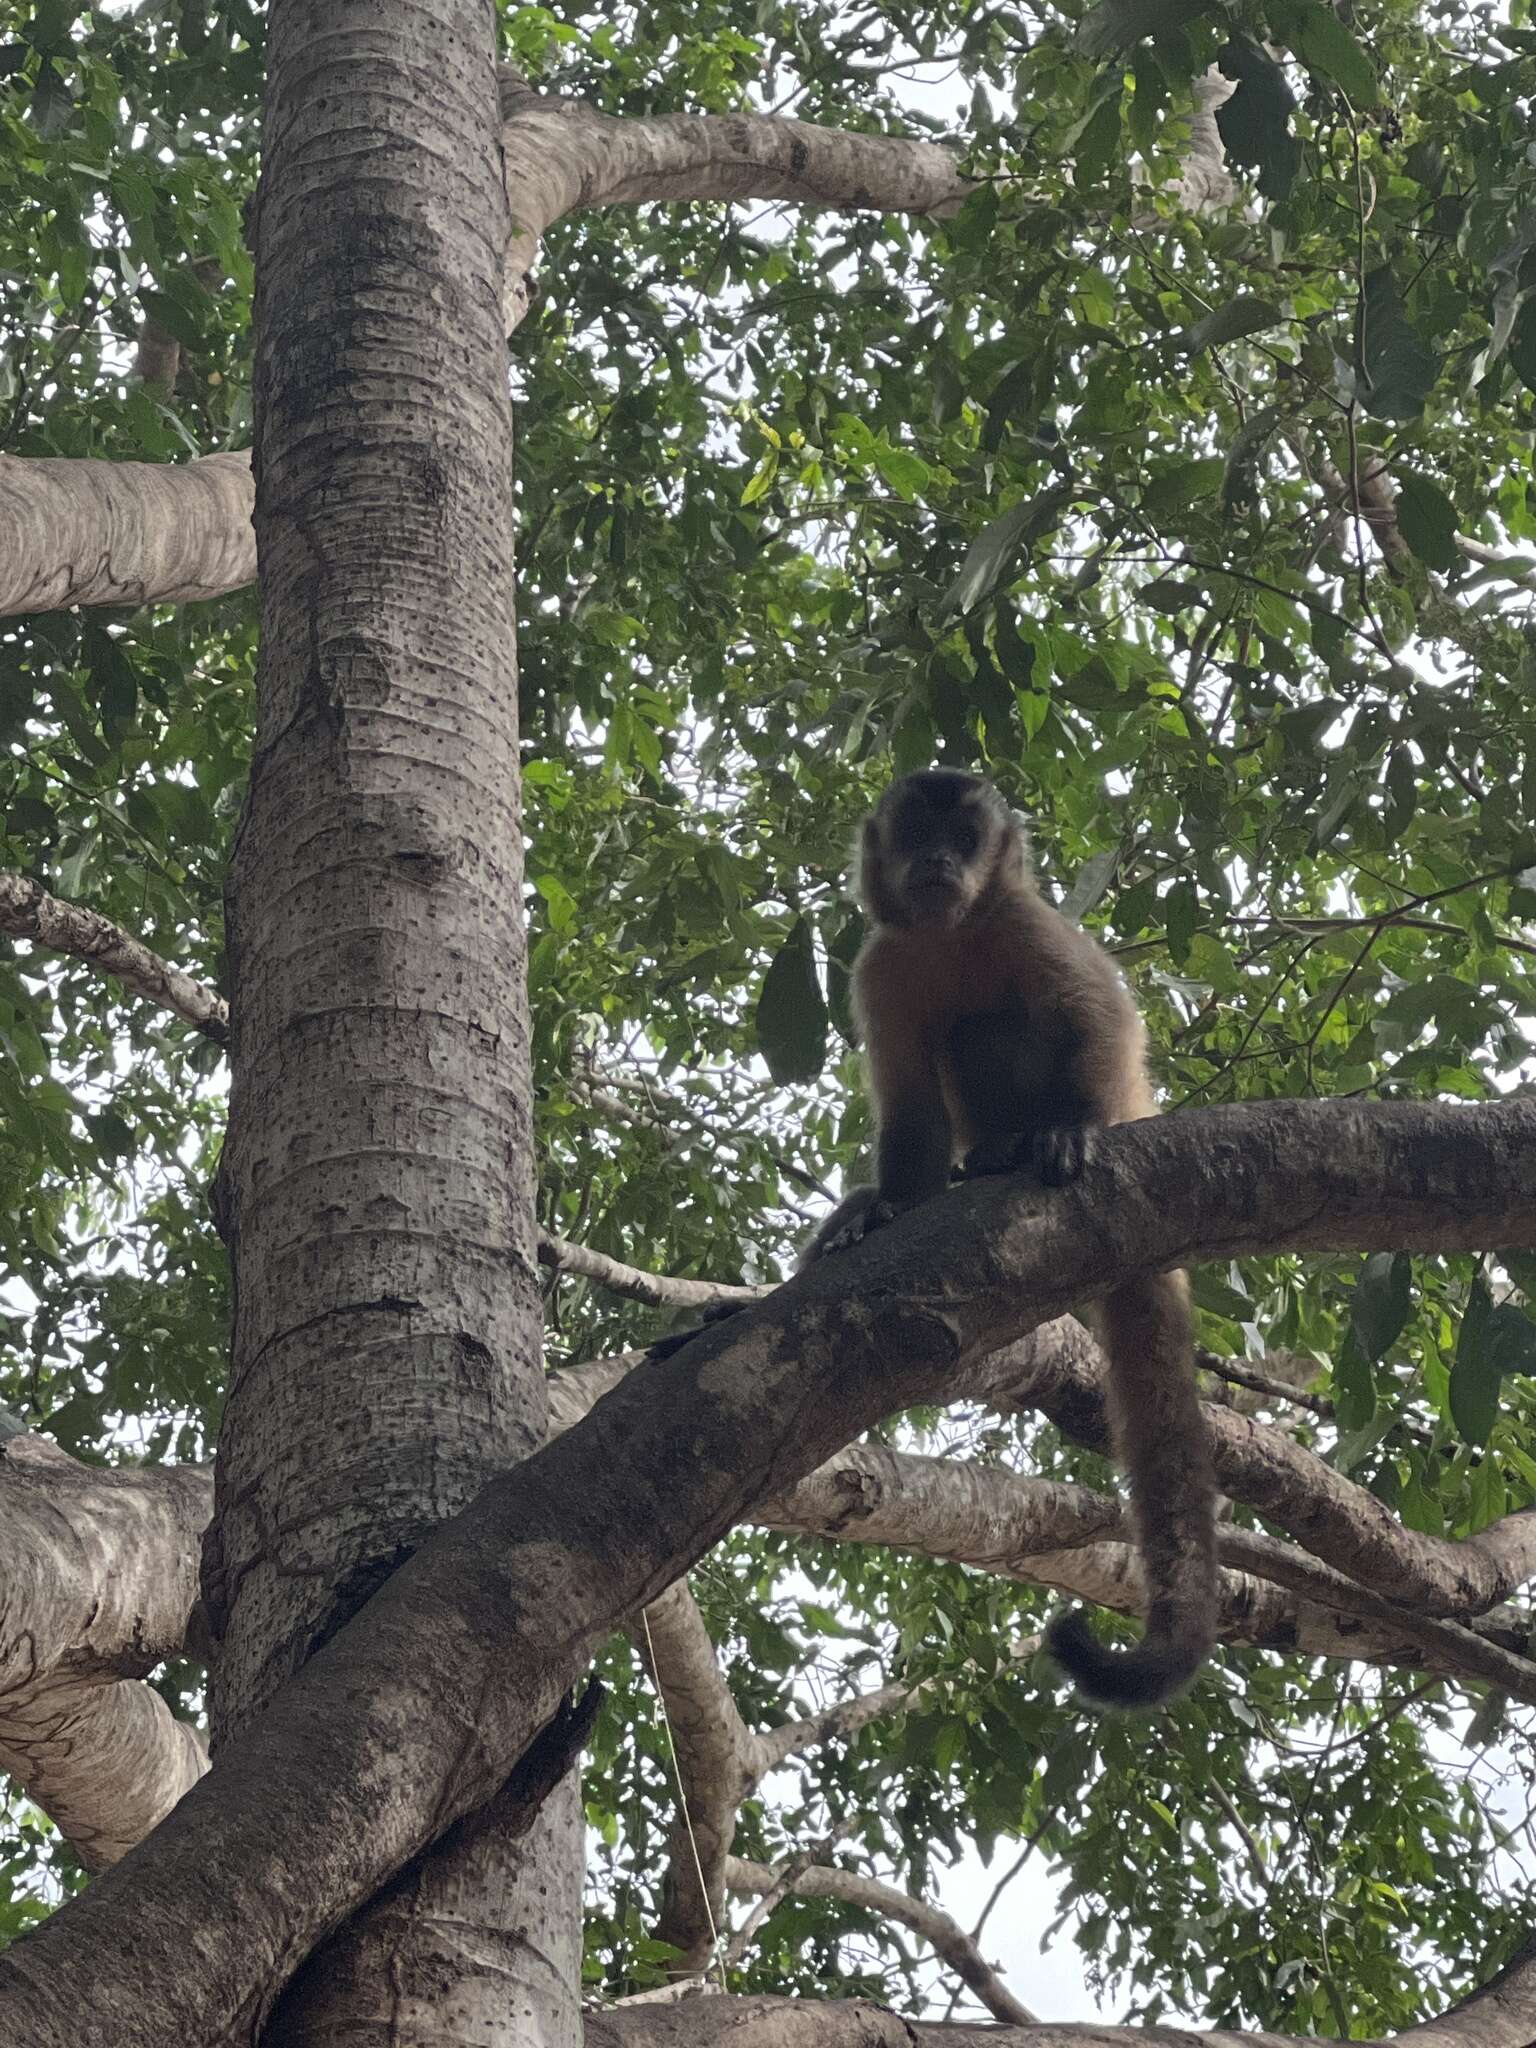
{"x": 1092, "y": 880}
{"x": 842, "y": 950}
{"x": 1382, "y": 1303}
{"x": 1397, "y": 371}
{"x": 761, "y": 480}
{"x": 1181, "y": 913}
{"x": 1427, "y": 520}
{"x": 1180, "y": 484}
{"x": 1522, "y": 346}
{"x": 1474, "y": 1392}
{"x": 1354, "y": 1388}
{"x": 1095, "y": 142}
{"x": 1113, "y": 25}
{"x": 177, "y": 319}
{"x": 1255, "y": 123}
{"x": 52, "y": 102}
{"x": 1325, "y": 45}
{"x": 1239, "y": 316}
{"x": 990, "y": 558}
{"x": 791, "y": 1018}
{"x": 906, "y": 473}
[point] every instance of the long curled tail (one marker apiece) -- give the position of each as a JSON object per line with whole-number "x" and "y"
{"x": 1159, "y": 1436}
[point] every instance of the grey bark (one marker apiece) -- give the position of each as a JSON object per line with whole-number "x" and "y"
{"x": 376, "y": 1188}
{"x": 27, "y": 911}
{"x": 99, "y": 1572}
{"x": 414, "y": 1712}
{"x": 85, "y": 532}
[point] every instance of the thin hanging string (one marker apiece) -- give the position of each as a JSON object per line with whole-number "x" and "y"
{"x": 716, "y": 1957}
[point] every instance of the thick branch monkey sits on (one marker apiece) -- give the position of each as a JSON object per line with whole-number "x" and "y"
{"x": 999, "y": 1035}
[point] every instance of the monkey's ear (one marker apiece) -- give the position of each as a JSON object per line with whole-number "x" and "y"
{"x": 869, "y": 879}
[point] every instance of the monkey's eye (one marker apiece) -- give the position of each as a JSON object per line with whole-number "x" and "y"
{"x": 966, "y": 838}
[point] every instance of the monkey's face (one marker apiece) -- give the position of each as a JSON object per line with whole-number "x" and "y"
{"x": 933, "y": 847}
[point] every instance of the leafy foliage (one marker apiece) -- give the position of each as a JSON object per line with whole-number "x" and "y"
{"x": 1060, "y": 487}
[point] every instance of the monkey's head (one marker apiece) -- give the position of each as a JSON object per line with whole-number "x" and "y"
{"x": 938, "y": 845}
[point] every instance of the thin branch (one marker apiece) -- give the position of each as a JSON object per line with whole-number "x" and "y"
{"x": 657, "y": 1290}
{"x": 27, "y": 911}
{"x": 784, "y": 1882}
{"x": 945, "y": 1936}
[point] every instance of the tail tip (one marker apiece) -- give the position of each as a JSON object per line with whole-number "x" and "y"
{"x": 1154, "y": 1671}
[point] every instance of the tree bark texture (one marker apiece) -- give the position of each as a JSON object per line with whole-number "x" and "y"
{"x": 99, "y": 1568}
{"x": 77, "y": 532}
{"x": 377, "y": 1183}
{"x": 415, "y": 1711}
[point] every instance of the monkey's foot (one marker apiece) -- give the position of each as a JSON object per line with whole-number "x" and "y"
{"x": 1061, "y": 1152}
{"x": 1054, "y": 1155}
{"x": 858, "y": 1226}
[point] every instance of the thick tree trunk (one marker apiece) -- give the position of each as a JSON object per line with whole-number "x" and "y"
{"x": 377, "y": 1182}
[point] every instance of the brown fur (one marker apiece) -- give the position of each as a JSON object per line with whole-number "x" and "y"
{"x": 1000, "y": 1035}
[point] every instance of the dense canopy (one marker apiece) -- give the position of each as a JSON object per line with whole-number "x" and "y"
{"x": 1181, "y": 481}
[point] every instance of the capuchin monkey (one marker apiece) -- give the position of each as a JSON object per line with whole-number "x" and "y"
{"x": 999, "y": 1036}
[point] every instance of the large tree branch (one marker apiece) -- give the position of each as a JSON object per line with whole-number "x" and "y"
{"x": 715, "y": 1754}
{"x": 129, "y": 533}
{"x": 100, "y": 1571}
{"x": 414, "y": 1713}
{"x": 1045, "y": 1533}
{"x": 86, "y": 532}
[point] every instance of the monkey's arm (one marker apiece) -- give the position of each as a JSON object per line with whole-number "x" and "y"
{"x": 914, "y": 1147}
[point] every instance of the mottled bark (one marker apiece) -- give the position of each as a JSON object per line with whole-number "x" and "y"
{"x": 27, "y": 911}
{"x": 702, "y": 2022}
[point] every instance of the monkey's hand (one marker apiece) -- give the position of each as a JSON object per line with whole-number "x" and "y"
{"x": 1055, "y": 1154}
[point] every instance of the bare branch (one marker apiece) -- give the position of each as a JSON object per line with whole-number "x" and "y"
{"x": 100, "y": 1575}
{"x": 657, "y": 1290}
{"x": 86, "y": 532}
{"x": 715, "y": 1754}
{"x": 784, "y": 1875}
{"x": 27, "y": 911}
{"x": 946, "y": 1937}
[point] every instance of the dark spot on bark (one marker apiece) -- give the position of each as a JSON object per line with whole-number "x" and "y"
{"x": 355, "y": 1587}
{"x": 906, "y": 1335}
{"x": 799, "y": 157}
{"x": 434, "y": 480}
{"x": 476, "y": 1363}
{"x": 422, "y": 865}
